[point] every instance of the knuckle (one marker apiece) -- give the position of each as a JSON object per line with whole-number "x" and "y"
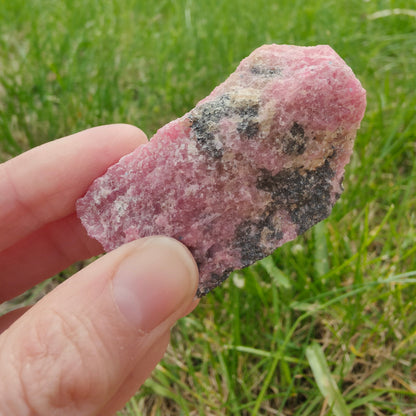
{"x": 58, "y": 366}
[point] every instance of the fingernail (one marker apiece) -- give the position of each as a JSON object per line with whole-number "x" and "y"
{"x": 154, "y": 281}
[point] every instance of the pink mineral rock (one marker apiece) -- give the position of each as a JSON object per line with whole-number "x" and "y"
{"x": 252, "y": 166}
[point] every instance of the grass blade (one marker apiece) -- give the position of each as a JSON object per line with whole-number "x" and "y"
{"x": 321, "y": 256}
{"x": 325, "y": 381}
{"x": 277, "y": 275}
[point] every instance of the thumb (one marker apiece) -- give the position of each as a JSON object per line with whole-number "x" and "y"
{"x": 89, "y": 344}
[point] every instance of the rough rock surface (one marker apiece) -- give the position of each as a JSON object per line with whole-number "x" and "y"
{"x": 253, "y": 165}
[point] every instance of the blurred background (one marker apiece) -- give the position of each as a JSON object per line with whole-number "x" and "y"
{"x": 327, "y": 324}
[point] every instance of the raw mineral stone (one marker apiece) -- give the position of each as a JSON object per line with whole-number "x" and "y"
{"x": 256, "y": 163}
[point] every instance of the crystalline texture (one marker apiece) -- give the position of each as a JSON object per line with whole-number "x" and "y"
{"x": 253, "y": 165}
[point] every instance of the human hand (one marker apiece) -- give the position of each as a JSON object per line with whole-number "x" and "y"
{"x": 86, "y": 347}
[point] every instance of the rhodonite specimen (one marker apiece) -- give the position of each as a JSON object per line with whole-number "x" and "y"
{"x": 252, "y": 166}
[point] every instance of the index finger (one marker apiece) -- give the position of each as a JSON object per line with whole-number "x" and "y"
{"x": 43, "y": 184}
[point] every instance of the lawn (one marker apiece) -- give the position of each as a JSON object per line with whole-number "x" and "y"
{"x": 327, "y": 324}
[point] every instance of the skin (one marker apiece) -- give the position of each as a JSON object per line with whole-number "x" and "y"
{"x": 88, "y": 345}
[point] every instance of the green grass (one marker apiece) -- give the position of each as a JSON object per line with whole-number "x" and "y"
{"x": 334, "y": 308}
